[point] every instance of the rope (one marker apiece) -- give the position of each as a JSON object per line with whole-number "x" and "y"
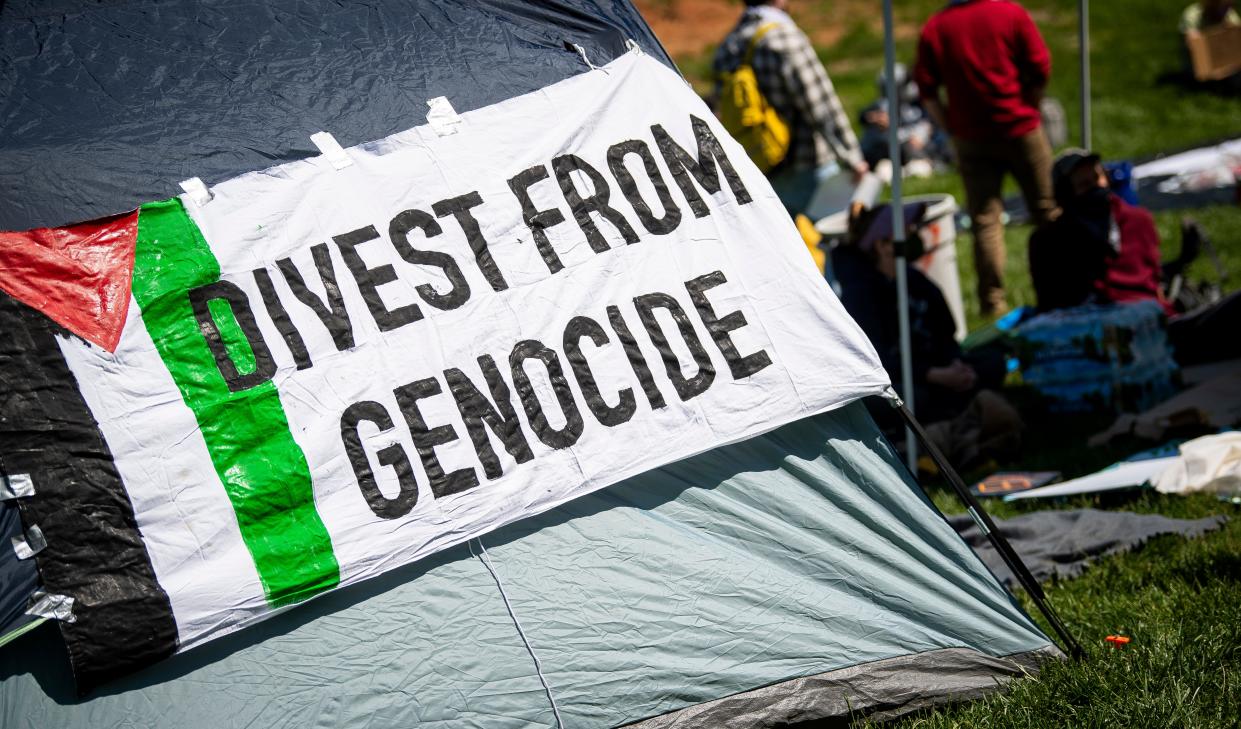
{"x": 538, "y": 667}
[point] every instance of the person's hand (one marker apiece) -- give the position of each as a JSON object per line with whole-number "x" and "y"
{"x": 859, "y": 171}
{"x": 958, "y": 376}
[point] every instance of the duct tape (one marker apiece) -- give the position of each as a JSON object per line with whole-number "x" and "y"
{"x": 442, "y": 117}
{"x": 632, "y": 45}
{"x": 52, "y": 607}
{"x": 16, "y": 486}
{"x": 31, "y": 544}
{"x": 331, "y": 149}
{"x": 889, "y": 393}
{"x": 197, "y": 191}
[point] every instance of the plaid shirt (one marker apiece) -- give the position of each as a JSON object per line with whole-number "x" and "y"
{"x": 794, "y": 81}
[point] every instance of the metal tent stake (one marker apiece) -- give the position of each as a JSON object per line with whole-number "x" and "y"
{"x": 898, "y": 226}
{"x": 1005, "y": 550}
{"x": 1083, "y": 41}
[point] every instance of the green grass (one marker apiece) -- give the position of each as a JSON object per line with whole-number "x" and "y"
{"x": 1178, "y": 599}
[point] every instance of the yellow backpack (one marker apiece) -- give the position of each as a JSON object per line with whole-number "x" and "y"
{"x": 748, "y": 116}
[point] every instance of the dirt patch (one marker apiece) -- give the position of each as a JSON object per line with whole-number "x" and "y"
{"x": 689, "y": 28}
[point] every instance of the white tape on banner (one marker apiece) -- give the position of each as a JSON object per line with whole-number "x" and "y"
{"x": 442, "y": 117}
{"x": 52, "y": 607}
{"x": 331, "y": 149}
{"x": 196, "y": 190}
{"x": 16, "y": 486}
{"x": 31, "y": 544}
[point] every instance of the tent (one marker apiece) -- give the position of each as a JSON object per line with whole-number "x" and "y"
{"x": 748, "y": 556}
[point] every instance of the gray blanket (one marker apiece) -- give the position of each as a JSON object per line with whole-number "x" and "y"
{"x": 1062, "y": 543}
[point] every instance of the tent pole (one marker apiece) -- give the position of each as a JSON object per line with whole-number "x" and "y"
{"x": 1013, "y": 560}
{"x": 898, "y": 226}
{"x": 1083, "y": 42}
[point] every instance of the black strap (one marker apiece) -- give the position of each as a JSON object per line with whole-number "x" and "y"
{"x": 1006, "y": 551}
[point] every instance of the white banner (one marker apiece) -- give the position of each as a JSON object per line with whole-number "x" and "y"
{"x": 570, "y": 288}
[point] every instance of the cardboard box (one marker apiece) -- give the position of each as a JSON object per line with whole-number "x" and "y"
{"x": 1215, "y": 53}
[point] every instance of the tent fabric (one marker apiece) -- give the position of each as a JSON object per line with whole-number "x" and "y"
{"x": 147, "y": 80}
{"x": 783, "y": 558}
{"x": 18, "y": 577}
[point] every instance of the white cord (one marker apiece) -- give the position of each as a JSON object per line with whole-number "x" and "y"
{"x": 538, "y": 667}
{"x": 582, "y": 52}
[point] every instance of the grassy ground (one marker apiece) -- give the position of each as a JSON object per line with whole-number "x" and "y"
{"x": 1178, "y": 600}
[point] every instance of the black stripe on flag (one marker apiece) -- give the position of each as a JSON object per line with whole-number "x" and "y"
{"x": 95, "y": 553}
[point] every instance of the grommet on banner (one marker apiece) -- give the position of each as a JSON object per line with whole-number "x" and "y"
{"x": 331, "y": 149}
{"x": 16, "y": 486}
{"x": 585, "y": 59}
{"x": 442, "y": 117}
{"x": 31, "y": 544}
{"x": 198, "y": 192}
{"x": 52, "y": 607}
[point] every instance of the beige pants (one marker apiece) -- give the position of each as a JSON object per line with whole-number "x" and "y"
{"x": 983, "y": 165}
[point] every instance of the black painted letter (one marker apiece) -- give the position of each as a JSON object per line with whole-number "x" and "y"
{"x": 686, "y": 388}
{"x": 393, "y": 455}
{"x": 398, "y": 231}
{"x": 425, "y": 439}
{"x": 332, "y": 312}
{"x": 479, "y": 415}
{"x": 239, "y": 305}
{"x": 370, "y": 279}
{"x": 537, "y": 220}
{"x": 683, "y": 165}
{"x": 459, "y": 207}
{"x": 616, "y": 163}
{"x": 578, "y": 327}
{"x": 572, "y": 430}
{"x": 720, "y": 326}
{"x": 595, "y": 202}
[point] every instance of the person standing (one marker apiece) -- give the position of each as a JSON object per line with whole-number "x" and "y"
{"x": 989, "y": 58}
{"x": 823, "y": 159}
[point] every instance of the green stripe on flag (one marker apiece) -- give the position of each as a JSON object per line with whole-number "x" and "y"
{"x": 247, "y": 433}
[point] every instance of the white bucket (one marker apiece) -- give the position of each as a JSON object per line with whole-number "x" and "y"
{"x": 939, "y": 261}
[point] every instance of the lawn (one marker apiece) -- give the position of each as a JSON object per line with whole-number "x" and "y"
{"x": 1178, "y": 600}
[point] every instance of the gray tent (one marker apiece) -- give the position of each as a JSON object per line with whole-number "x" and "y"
{"x": 793, "y": 576}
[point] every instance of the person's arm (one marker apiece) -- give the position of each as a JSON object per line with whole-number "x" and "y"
{"x": 927, "y": 76}
{"x": 812, "y": 94}
{"x": 1033, "y": 60}
{"x": 936, "y": 110}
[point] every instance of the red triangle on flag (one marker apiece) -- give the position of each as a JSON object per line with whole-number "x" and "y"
{"x": 78, "y": 275}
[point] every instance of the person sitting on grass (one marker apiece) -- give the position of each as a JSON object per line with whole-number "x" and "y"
{"x": 1102, "y": 250}
{"x": 953, "y": 391}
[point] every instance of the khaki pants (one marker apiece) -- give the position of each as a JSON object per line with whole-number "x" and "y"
{"x": 983, "y": 165}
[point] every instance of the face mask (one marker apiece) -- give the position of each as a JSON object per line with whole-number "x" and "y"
{"x": 1092, "y": 211}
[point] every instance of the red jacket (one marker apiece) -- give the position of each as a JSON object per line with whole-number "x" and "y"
{"x": 1135, "y": 273}
{"x": 992, "y": 60}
